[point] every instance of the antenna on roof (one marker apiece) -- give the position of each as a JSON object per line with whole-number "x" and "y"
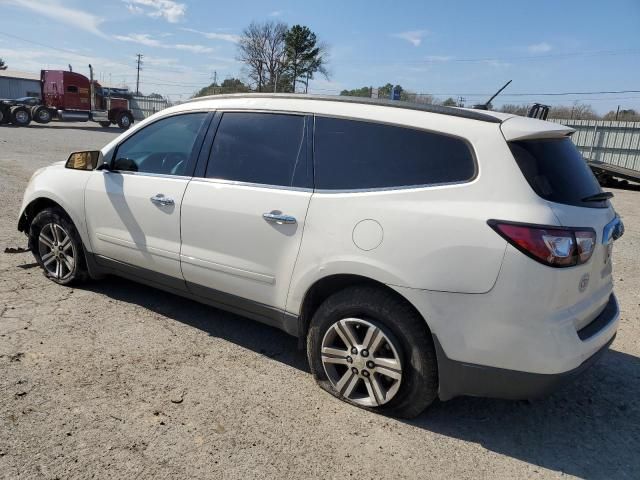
{"x": 485, "y": 106}
{"x": 70, "y": 68}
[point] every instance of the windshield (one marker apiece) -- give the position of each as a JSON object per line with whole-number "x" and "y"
{"x": 556, "y": 171}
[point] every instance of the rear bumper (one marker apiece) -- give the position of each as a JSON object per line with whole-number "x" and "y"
{"x": 459, "y": 378}
{"x": 463, "y": 378}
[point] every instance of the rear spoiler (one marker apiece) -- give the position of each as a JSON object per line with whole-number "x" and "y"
{"x": 523, "y": 128}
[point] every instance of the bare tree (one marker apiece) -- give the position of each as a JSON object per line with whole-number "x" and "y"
{"x": 274, "y": 53}
{"x": 250, "y": 52}
{"x": 521, "y": 110}
{"x": 578, "y": 111}
{"x": 261, "y": 50}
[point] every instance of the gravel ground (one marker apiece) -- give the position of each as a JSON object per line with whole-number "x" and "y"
{"x": 117, "y": 380}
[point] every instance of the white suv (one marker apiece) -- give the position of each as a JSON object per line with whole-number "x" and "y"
{"x": 419, "y": 252}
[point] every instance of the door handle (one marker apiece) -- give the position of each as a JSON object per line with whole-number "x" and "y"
{"x": 279, "y": 218}
{"x": 160, "y": 199}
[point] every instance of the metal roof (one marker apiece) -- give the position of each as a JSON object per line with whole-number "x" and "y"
{"x": 19, "y": 75}
{"x": 442, "y": 110}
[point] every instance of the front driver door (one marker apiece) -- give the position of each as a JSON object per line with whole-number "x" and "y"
{"x": 133, "y": 209}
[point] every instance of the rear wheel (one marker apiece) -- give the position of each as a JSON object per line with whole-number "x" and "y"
{"x": 20, "y": 116}
{"x": 2, "y": 116}
{"x": 56, "y": 246}
{"x": 105, "y": 124}
{"x": 124, "y": 120}
{"x": 41, "y": 114}
{"x": 369, "y": 348}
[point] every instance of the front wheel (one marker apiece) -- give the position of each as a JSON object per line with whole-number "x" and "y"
{"x": 57, "y": 247}
{"x": 125, "y": 120}
{"x": 370, "y": 348}
{"x": 105, "y": 124}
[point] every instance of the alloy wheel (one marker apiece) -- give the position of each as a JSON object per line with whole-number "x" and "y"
{"x": 361, "y": 362}
{"x": 57, "y": 251}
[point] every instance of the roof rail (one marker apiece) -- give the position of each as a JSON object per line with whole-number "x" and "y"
{"x": 440, "y": 109}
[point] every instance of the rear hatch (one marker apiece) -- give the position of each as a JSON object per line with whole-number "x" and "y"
{"x": 556, "y": 171}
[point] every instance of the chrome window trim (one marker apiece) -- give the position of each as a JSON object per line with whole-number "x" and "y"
{"x": 249, "y": 184}
{"x": 147, "y": 174}
{"x": 424, "y": 186}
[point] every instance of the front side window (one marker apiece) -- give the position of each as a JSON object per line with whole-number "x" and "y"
{"x": 351, "y": 155}
{"x": 72, "y": 89}
{"x": 263, "y": 148}
{"x": 164, "y": 147}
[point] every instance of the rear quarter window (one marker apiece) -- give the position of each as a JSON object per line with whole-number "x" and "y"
{"x": 556, "y": 171}
{"x": 354, "y": 155}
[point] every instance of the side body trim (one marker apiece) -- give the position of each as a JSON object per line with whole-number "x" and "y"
{"x": 287, "y": 322}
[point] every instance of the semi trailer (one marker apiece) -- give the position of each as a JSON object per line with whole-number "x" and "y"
{"x": 69, "y": 97}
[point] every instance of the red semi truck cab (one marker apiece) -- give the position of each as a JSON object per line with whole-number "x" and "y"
{"x": 68, "y": 95}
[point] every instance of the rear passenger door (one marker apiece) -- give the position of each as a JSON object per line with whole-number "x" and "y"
{"x": 243, "y": 217}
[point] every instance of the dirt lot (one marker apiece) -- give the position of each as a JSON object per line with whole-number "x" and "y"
{"x": 117, "y": 380}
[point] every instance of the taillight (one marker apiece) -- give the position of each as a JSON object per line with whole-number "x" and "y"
{"x": 553, "y": 246}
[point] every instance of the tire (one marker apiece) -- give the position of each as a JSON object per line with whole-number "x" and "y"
{"x": 105, "y": 124}
{"x": 124, "y": 120}
{"x": 41, "y": 114}
{"x": 405, "y": 341}
{"x": 20, "y": 116}
{"x": 3, "y": 117}
{"x": 57, "y": 247}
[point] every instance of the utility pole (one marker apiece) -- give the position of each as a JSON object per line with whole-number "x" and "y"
{"x": 139, "y": 62}
{"x": 215, "y": 81}
{"x": 617, "y": 112}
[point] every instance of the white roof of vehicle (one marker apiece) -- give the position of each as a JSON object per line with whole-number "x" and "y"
{"x": 513, "y": 127}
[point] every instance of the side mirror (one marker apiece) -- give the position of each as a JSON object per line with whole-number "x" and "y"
{"x": 84, "y": 160}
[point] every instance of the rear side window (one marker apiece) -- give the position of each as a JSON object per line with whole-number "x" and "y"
{"x": 350, "y": 154}
{"x": 263, "y": 148}
{"x": 556, "y": 171}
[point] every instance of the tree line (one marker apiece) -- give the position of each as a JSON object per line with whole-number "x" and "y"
{"x": 577, "y": 111}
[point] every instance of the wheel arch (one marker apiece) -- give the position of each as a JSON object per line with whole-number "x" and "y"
{"x": 33, "y": 208}
{"x": 324, "y": 287}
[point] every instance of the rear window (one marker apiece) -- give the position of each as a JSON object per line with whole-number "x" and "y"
{"x": 353, "y": 155}
{"x": 556, "y": 171}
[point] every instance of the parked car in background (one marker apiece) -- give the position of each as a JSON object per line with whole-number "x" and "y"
{"x": 417, "y": 251}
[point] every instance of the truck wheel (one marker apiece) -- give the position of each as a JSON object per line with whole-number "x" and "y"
{"x": 105, "y": 124}
{"x": 20, "y": 116}
{"x": 125, "y": 120}
{"x": 41, "y": 114}
{"x": 2, "y": 117}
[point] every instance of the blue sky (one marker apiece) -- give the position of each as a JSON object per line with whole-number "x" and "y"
{"x": 450, "y": 48}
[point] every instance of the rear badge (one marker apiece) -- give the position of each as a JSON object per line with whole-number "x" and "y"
{"x": 584, "y": 282}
